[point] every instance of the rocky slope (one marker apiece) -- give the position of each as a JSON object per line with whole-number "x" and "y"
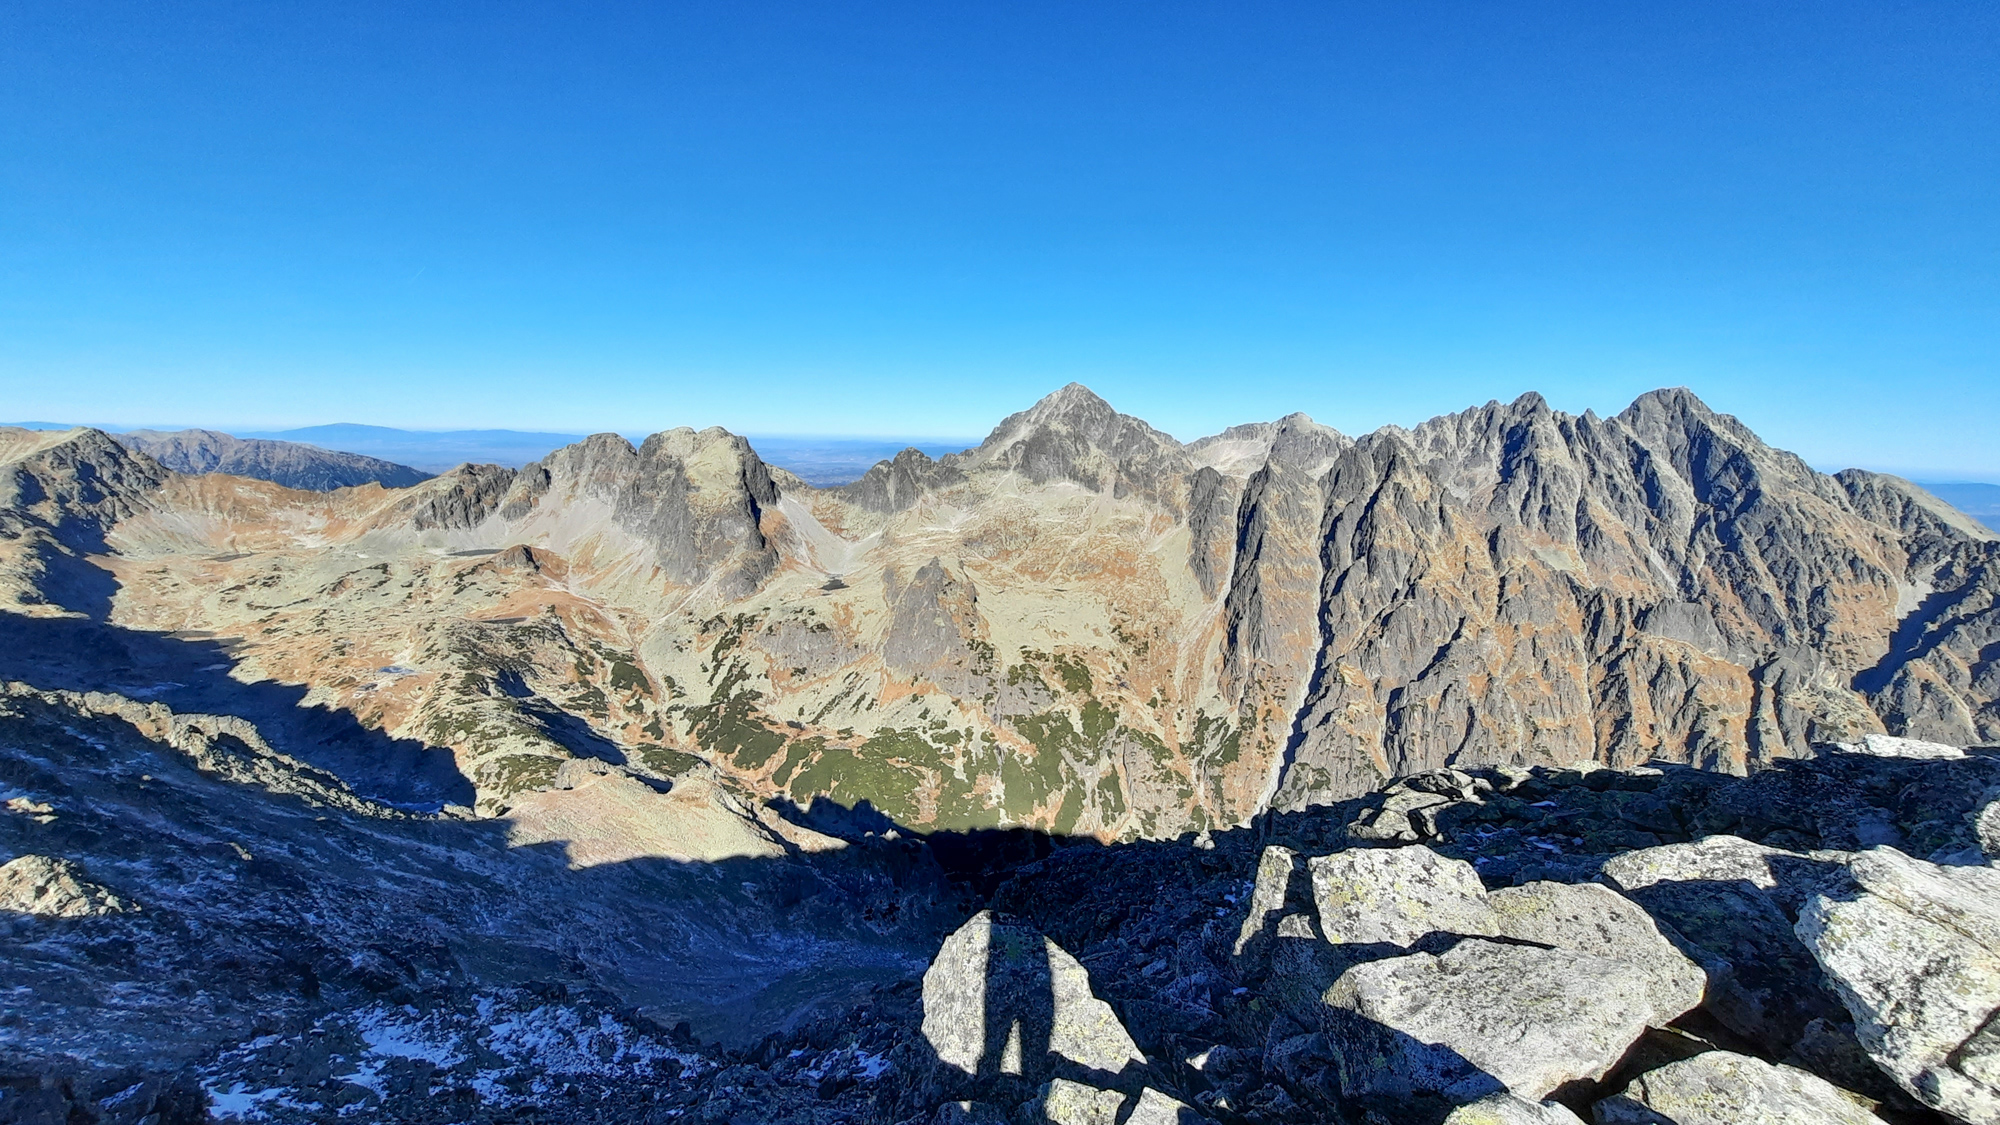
{"x": 1081, "y": 625}
{"x": 644, "y": 782}
{"x": 203, "y": 928}
{"x": 292, "y": 464}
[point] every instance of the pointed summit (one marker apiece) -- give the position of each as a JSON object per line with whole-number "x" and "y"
{"x": 1076, "y": 436}
{"x": 1073, "y": 405}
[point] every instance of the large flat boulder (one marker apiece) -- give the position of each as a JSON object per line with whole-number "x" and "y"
{"x": 1915, "y": 956}
{"x": 1002, "y": 999}
{"x": 1483, "y": 1016}
{"x": 1722, "y": 1088}
{"x": 1394, "y": 896}
{"x": 1889, "y": 746}
{"x": 1593, "y": 919}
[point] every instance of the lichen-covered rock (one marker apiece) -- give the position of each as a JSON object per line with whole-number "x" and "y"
{"x": 1485, "y": 1016}
{"x": 1394, "y": 896}
{"x": 1986, "y": 825}
{"x": 1712, "y": 859}
{"x": 1002, "y": 999}
{"x": 1155, "y": 1108}
{"x": 1916, "y": 958}
{"x": 52, "y": 887}
{"x": 1722, "y": 1088}
{"x": 1596, "y": 920}
{"x": 1503, "y": 1108}
{"x": 1063, "y": 1102}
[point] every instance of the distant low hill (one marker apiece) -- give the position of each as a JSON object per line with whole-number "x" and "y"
{"x": 823, "y": 462}
{"x": 434, "y": 451}
{"x": 1980, "y": 501}
{"x": 358, "y": 454}
{"x": 292, "y": 464}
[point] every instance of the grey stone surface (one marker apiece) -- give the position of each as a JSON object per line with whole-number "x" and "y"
{"x": 1001, "y": 998}
{"x": 1885, "y": 746}
{"x": 50, "y": 887}
{"x": 1721, "y": 1088}
{"x": 1598, "y": 921}
{"x": 1485, "y": 1016}
{"x": 1396, "y": 895}
{"x": 1916, "y": 959}
{"x": 1503, "y": 1108}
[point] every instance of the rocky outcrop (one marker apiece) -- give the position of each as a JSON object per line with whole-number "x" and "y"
{"x": 1001, "y": 1001}
{"x": 1577, "y": 973}
{"x": 1915, "y": 955}
{"x": 691, "y": 503}
{"x": 1484, "y": 1016}
{"x": 1072, "y": 435}
{"x": 897, "y": 484}
{"x": 1503, "y": 1108}
{"x": 1274, "y": 590}
{"x": 1722, "y": 1088}
{"x": 1886, "y": 746}
{"x": 1394, "y": 896}
{"x": 56, "y": 888}
{"x": 289, "y": 463}
{"x": 1723, "y": 897}
{"x": 934, "y": 631}
{"x": 1699, "y": 596}
{"x": 460, "y": 499}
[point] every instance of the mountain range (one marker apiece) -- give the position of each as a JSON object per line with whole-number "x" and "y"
{"x": 1080, "y": 775}
{"x": 1080, "y": 625}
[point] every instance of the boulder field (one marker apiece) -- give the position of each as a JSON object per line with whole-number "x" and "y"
{"x": 1814, "y": 942}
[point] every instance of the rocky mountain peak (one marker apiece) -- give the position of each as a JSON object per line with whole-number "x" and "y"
{"x": 1073, "y": 404}
{"x": 1073, "y": 435}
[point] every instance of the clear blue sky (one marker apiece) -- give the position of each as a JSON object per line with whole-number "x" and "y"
{"x": 913, "y": 218}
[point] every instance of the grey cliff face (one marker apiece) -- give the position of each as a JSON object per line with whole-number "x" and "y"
{"x": 1527, "y": 585}
{"x": 934, "y": 630}
{"x": 89, "y": 479}
{"x": 461, "y": 499}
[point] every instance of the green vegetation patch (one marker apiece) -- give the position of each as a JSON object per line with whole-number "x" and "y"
{"x": 731, "y": 723}
{"x": 517, "y": 773}
{"x": 852, "y": 776}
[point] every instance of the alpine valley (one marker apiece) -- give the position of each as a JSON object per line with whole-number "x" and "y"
{"x": 643, "y": 783}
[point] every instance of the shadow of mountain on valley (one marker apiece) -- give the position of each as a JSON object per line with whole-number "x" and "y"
{"x": 193, "y": 675}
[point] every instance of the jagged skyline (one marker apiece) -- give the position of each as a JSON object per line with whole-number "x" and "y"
{"x": 912, "y": 220}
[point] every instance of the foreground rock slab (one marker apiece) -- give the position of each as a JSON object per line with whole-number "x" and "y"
{"x": 1510, "y": 1109}
{"x": 1485, "y": 1016}
{"x": 1722, "y": 1088}
{"x": 1395, "y": 896}
{"x": 1725, "y": 896}
{"x": 1001, "y": 998}
{"x": 1915, "y": 956}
